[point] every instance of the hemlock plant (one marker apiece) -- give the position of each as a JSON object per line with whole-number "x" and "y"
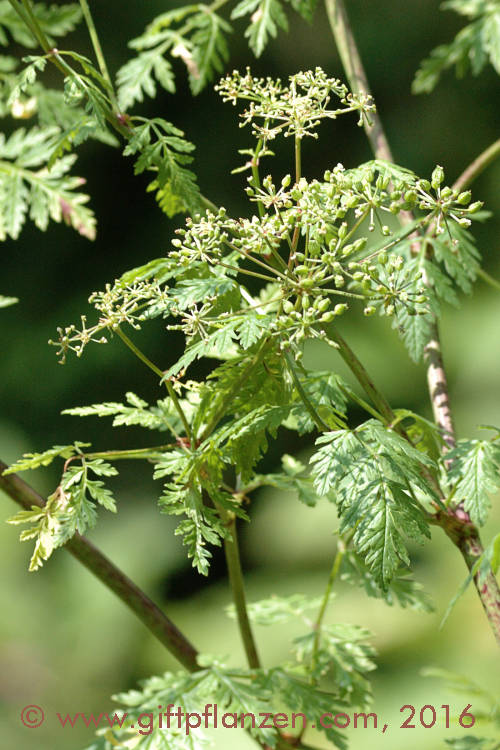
{"x": 247, "y": 293}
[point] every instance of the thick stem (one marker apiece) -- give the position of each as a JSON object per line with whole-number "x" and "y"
{"x": 93, "y": 559}
{"x": 438, "y": 388}
{"x": 355, "y": 72}
{"x": 458, "y": 527}
{"x": 489, "y": 593}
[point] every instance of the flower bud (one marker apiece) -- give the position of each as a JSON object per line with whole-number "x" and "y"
{"x": 475, "y": 207}
{"x": 339, "y": 309}
{"x": 464, "y": 198}
{"x": 437, "y": 177}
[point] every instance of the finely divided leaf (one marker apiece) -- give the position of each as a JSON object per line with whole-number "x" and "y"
{"x": 375, "y": 474}
{"x": 266, "y": 16}
{"x": 475, "y": 472}
{"x": 137, "y": 78}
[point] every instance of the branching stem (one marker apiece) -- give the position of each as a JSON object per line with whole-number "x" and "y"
{"x": 463, "y": 529}
{"x": 170, "y": 390}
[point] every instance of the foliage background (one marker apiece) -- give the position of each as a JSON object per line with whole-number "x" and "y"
{"x": 66, "y": 644}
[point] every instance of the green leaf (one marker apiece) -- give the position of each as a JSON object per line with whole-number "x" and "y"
{"x": 161, "y": 417}
{"x": 54, "y": 21}
{"x": 277, "y": 609}
{"x": 135, "y": 78}
{"x": 244, "y": 440}
{"x": 475, "y": 45}
{"x": 344, "y": 656}
{"x": 306, "y": 8}
{"x": 35, "y": 460}
{"x": 161, "y": 147}
{"x": 216, "y": 344}
{"x": 375, "y": 474}
{"x": 402, "y": 589}
{"x": 47, "y": 193}
{"x": 475, "y": 473}
{"x": 201, "y": 526}
{"x": 70, "y": 508}
{"x": 459, "y": 256}
{"x": 266, "y": 16}
{"x": 210, "y": 50}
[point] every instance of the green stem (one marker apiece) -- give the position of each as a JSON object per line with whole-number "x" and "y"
{"x": 479, "y": 164}
{"x": 298, "y": 159}
{"x": 359, "y": 371}
{"x": 256, "y": 175}
{"x": 34, "y": 25}
{"x": 94, "y": 37}
{"x": 145, "y": 454}
{"x": 337, "y": 562}
{"x": 488, "y": 279}
{"x": 236, "y": 580}
{"x": 112, "y": 577}
{"x": 140, "y": 355}
{"x": 364, "y": 405}
{"x": 322, "y": 427}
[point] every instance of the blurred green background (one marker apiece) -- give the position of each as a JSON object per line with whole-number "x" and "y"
{"x": 66, "y": 643}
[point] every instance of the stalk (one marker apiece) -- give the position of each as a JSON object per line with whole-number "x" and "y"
{"x": 96, "y": 44}
{"x": 140, "y": 355}
{"x": 233, "y": 560}
{"x": 112, "y": 577}
{"x": 464, "y": 534}
{"x": 337, "y": 562}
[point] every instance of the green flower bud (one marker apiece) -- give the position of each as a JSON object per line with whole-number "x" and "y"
{"x": 382, "y": 258}
{"x": 301, "y": 270}
{"x": 327, "y": 317}
{"x": 339, "y": 309}
{"x": 475, "y": 207}
{"x": 342, "y": 230}
{"x": 286, "y": 181}
{"x": 360, "y": 244}
{"x": 464, "y": 198}
{"x": 437, "y": 177}
{"x": 369, "y": 310}
{"x": 322, "y": 304}
{"x": 287, "y": 306}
